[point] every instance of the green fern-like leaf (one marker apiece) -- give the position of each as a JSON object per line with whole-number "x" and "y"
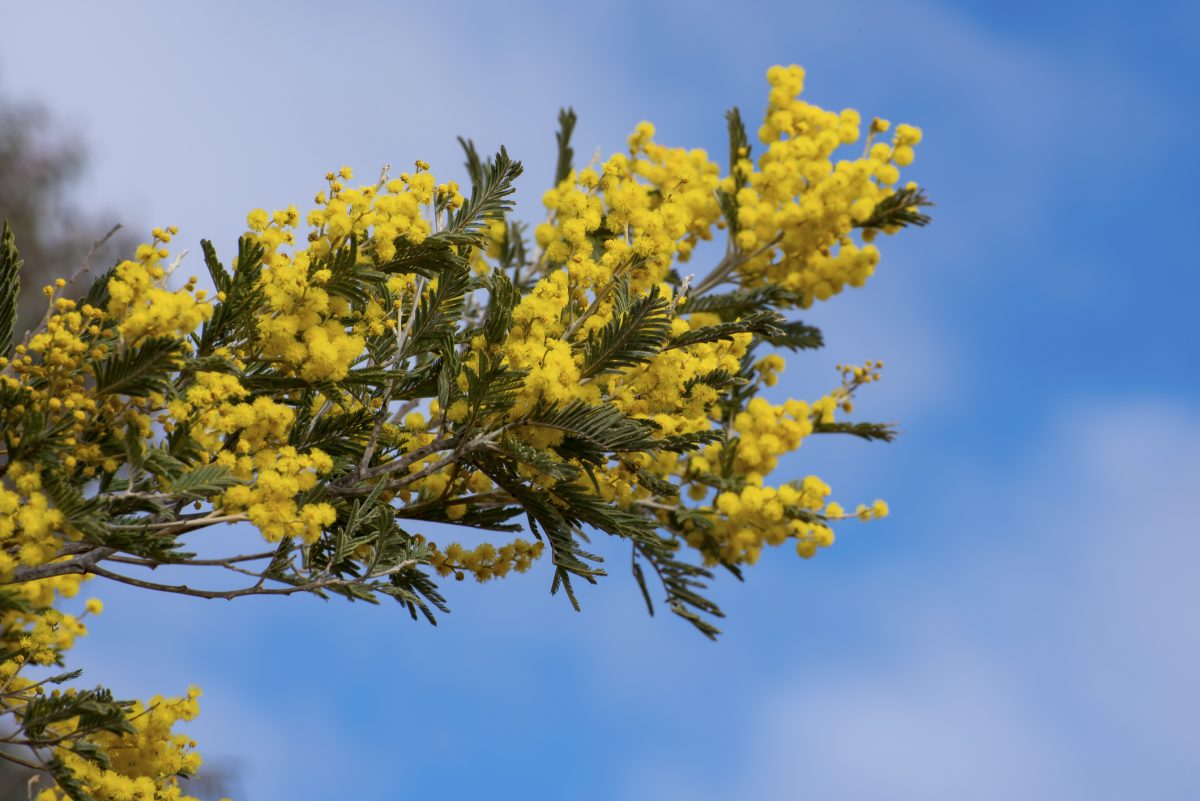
{"x": 732, "y": 305}
{"x": 684, "y": 443}
{"x": 493, "y": 388}
{"x": 566, "y": 154}
{"x": 763, "y": 323}
{"x": 474, "y": 163}
{"x": 739, "y": 148}
{"x": 900, "y": 210}
{"x": 717, "y": 379}
{"x": 502, "y": 299}
{"x": 795, "y": 335}
{"x": 490, "y": 198}
{"x": 417, "y": 592}
{"x": 235, "y": 317}
{"x": 430, "y": 257}
{"x": 96, "y": 710}
{"x": 681, "y": 581}
{"x": 221, "y": 278}
{"x": 868, "y": 431}
{"x": 634, "y": 336}
{"x": 139, "y": 370}
{"x": 203, "y": 481}
{"x": 438, "y": 312}
{"x": 546, "y": 518}
{"x": 67, "y": 780}
{"x": 85, "y": 514}
{"x": 10, "y": 289}
{"x": 593, "y": 433}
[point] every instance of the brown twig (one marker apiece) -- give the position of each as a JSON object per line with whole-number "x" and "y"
{"x": 228, "y": 595}
{"x": 80, "y": 564}
{"x": 728, "y": 264}
{"x": 84, "y": 267}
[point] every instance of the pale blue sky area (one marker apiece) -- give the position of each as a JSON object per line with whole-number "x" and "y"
{"x": 1022, "y": 626}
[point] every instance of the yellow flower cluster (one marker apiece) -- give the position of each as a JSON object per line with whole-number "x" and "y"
{"x": 270, "y": 502}
{"x": 745, "y": 521}
{"x": 212, "y": 403}
{"x": 687, "y": 181}
{"x": 650, "y": 207}
{"x": 247, "y": 438}
{"x": 306, "y": 327}
{"x": 52, "y": 375}
{"x": 147, "y": 763}
{"x": 28, "y": 525}
{"x": 302, "y": 325}
{"x": 875, "y": 511}
{"x": 485, "y": 561}
{"x": 658, "y": 389}
{"x": 767, "y": 431}
{"x": 798, "y": 206}
{"x": 141, "y": 304}
{"x": 632, "y": 216}
{"x": 578, "y": 213}
{"x": 535, "y": 344}
{"x": 41, "y": 633}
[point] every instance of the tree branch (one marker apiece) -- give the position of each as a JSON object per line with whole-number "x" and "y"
{"x": 228, "y": 595}
{"x": 80, "y": 564}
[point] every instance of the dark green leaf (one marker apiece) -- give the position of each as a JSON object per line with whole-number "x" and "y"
{"x": 139, "y": 370}
{"x": 10, "y": 289}
{"x": 796, "y": 335}
{"x": 593, "y": 433}
{"x": 438, "y": 313}
{"x": 201, "y": 482}
{"x": 763, "y": 323}
{"x": 868, "y": 431}
{"x": 236, "y": 317}
{"x": 67, "y": 781}
{"x": 474, "y": 164}
{"x": 502, "y": 299}
{"x": 900, "y": 210}
{"x": 682, "y": 583}
{"x": 633, "y": 336}
{"x": 490, "y": 198}
{"x": 732, "y": 305}
{"x": 566, "y": 154}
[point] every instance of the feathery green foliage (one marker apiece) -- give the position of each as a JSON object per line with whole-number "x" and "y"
{"x": 355, "y": 398}
{"x": 10, "y": 289}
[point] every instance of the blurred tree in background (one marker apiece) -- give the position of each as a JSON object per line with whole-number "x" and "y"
{"x": 41, "y": 164}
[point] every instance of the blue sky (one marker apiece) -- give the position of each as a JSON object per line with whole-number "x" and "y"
{"x": 1022, "y": 626}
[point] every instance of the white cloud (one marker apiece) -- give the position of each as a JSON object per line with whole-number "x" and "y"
{"x": 948, "y": 725}
{"x": 1054, "y": 657}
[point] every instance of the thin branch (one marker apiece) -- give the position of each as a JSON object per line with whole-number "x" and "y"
{"x": 403, "y": 462}
{"x": 154, "y": 563}
{"x": 81, "y": 564}
{"x": 728, "y": 264}
{"x": 460, "y": 450}
{"x": 23, "y": 762}
{"x": 181, "y": 525}
{"x": 228, "y": 595}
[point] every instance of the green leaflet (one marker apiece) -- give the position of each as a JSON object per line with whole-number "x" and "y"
{"x": 901, "y": 209}
{"x": 10, "y": 289}
{"x": 635, "y": 335}
{"x": 490, "y": 198}
{"x": 139, "y": 370}
{"x": 566, "y": 154}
